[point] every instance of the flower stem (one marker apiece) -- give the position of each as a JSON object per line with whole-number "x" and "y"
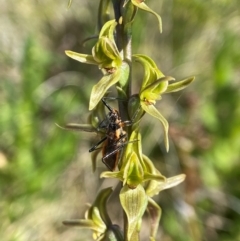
{"x": 124, "y": 44}
{"x": 123, "y": 15}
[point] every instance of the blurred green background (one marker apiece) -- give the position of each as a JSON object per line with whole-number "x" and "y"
{"x": 45, "y": 172}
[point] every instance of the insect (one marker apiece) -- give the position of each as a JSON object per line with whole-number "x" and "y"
{"x": 115, "y": 138}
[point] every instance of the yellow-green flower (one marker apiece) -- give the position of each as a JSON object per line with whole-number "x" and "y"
{"x": 133, "y": 170}
{"x": 154, "y": 84}
{"x": 104, "y": 53}
{"x": 97, "y": 219}
{"x": 141, "y": 180}
{"x": 106, "y": 56}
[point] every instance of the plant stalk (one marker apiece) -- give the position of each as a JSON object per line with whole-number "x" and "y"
{"x": 124, "y": 44}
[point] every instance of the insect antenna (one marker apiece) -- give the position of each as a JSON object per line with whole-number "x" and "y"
{"x": 106, "y": 104}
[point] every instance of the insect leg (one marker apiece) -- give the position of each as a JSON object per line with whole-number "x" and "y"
{"x": 127, "y": 123}
{"x": 95, "y": 146}
{"x": 113, "y": 152}
{"x": 112, "y": 162}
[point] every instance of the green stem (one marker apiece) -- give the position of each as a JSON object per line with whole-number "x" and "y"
{"x": 124, "y": 44}
{"x": 119, "y": 30}
{"x": 124, "y": 15}
{"x": 127, "y": 53}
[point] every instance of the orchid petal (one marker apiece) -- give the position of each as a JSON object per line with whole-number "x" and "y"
{"x": 83, "y": 58}
{"x": 174, "y": 87}
{"x": 140, "y": 4}
{"x": 151, "y": 110}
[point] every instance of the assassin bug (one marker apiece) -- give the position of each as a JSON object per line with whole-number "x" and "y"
{"x": 115, "y": 138}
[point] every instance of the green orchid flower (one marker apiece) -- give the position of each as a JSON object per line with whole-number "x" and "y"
{"x": 154, "y": 84}
{"x": 105, "y": 53}
{"x": 106, "y": 56}
{"x": 133, "y": 170}
{"x": 141, "y": 181}
{"x": 97, "y": 219}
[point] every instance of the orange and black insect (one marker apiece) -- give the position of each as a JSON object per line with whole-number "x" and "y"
{"x": 115, "y": 138}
